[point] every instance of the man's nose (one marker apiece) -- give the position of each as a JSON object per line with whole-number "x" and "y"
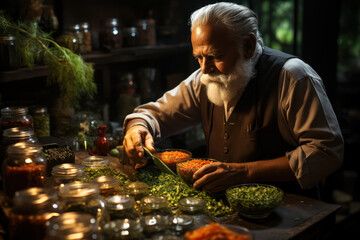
{"x": 207, "y": 66}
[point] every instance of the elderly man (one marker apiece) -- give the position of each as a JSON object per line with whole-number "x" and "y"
{"x": 265, "y": 114}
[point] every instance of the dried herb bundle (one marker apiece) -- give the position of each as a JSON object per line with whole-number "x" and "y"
{"x": 74, "y": 76}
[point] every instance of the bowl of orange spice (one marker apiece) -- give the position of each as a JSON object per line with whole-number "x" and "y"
{"x": 172, "y": 156}
{"x": 185, "y": 169}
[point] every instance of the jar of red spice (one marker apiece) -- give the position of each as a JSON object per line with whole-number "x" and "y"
{"x": 24, "y": 167}
{"x": 15, "y": 117}
{"x": 33, "y": 207}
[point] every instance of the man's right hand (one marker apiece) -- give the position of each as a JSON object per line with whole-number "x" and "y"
{"x": 135, "y": 137}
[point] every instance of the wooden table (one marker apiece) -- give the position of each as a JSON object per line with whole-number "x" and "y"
{"x": 297, "y": 217}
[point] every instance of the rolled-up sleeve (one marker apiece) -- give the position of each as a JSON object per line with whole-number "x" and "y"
{"x": 176, "y": 111}
{"x": 308, "y": 122}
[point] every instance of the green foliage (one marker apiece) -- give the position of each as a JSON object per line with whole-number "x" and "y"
{"x": 74, "y": 76}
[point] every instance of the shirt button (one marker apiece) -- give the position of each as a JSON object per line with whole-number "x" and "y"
{"x": 226, "y": 150}
{"x": 226, "y": 136}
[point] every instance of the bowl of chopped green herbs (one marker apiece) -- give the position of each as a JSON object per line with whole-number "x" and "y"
{"x": 254, "y": 200}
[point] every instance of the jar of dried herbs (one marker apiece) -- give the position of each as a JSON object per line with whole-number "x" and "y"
{"x": 74, "y": 226}
{"x": 41, "y": 120}
{"x": 82, "y": 197}
{"x": 85, "y": 28}
{"x": 109, "y": 185}
{"x": 24, "y": 167}
{"x": 121, "y": 207}
{"x": 33, "y": 207}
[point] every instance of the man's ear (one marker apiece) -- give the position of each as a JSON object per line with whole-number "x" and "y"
{"x": 249, "y": 45}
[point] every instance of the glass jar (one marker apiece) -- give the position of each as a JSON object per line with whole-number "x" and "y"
{"x": 108, "y": 185}
{"x": 138, "y": 190}
{"x": 111, "y": 37}
{"x": 179, "y": 224}
{"x": 85, "y": 28}
{"x": 72, "y": 226}
{"x": 15, "y": 135}
{"x": 154, "y": 225}
{"x": 153, "y": 205}
{"x": 56, "y": 156}
{"x": 196, "y": 208}
{"x": 24, "y": 167}
{"x": 66, "y": 173}
{"x": 82, "y": 197}
{"x": 147, "y": 31}
{"x": 8, "y": 56}
{"x": 93, "y": 162}
{"x": 33, "y": 207}
{"x": 121, "y": 207}
{"x": 41, "y": 119}
{"x": 131, "y": 37}
{"x": 15, "y": 117}
{"x": 123, "y": 229}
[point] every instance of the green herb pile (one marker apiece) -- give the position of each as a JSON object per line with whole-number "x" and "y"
{"x": 65, "y": 68}
{"x": 254, "y": 197}
{"x": 171, "y": 187}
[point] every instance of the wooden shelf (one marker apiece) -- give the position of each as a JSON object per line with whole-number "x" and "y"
{"x": 100, "y": 58}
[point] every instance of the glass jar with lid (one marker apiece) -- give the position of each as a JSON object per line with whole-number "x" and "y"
{"x": 179, "y": 224}
{"x": 15, "y": 135}
{"x": 93, "y": 162}
{"x": 138, "y": 190}
{"x": 66, "y": 173}
{"x": 123, "y": 229}
{"x": 72, "y": 226}
{"x": 121, "y": 207}
{"x": 82, "y": 197}
{"x": 108, "y": 185}
{"x": 33, "y": 207}
{"x": 152, "y": 205}
{"x": 24, "y": 167}
{"x": 16, "y": 117}
{"x": 85, "y": 28}
{"x": 8, "y": 56}
{"x": 196, "y": 208}
{"x": 111, "y": 37}
{"x": 41, "y": 119}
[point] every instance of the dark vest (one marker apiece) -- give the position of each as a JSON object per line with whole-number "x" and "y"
{"x": 252, "y": 131}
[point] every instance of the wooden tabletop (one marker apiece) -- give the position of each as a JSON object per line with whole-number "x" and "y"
{"x": 297, "y": 217}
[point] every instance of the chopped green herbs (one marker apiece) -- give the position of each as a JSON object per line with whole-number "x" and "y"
{"x": 254, "y": 199}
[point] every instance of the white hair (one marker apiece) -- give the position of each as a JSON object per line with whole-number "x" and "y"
{"x": 239, "y": 19}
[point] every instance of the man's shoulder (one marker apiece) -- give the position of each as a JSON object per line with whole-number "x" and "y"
{"x": 299, "y": 69}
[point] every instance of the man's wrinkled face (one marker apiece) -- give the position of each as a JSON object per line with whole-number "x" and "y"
{"x": 225, "y": 71}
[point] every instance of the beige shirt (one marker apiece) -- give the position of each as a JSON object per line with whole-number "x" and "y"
{"x": 317, "y": 135}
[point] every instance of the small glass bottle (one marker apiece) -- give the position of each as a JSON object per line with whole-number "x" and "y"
{"x": 15, "y": 117}
{"x": 179, "y": 224}
{"x": 108, "y": 185}
{"x": 74, "y": 226}
{"x": 121, "y": 207}
{"x": 102, "y": 143}
{"x": 33, "y": 207}
{"x": 24, "y": 167}
{"x": 41, "y": 119}
{"x": 82, "y": 197}
{"x": 85, "y": 27}
{"x": 123, "y": 229}
{"x": 8, "y": 56}
{"x": 196, "y": 208}
{"x": 66, "y": 173}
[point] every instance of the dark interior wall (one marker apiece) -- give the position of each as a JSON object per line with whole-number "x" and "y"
{"x": 319, "y": 43}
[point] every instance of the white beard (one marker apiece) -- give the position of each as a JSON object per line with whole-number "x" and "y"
{"x": 224, "y": 87}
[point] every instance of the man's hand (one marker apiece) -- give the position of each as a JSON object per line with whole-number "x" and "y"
{"x": 135, "y": 138}
{"x": 218, "y": 176}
